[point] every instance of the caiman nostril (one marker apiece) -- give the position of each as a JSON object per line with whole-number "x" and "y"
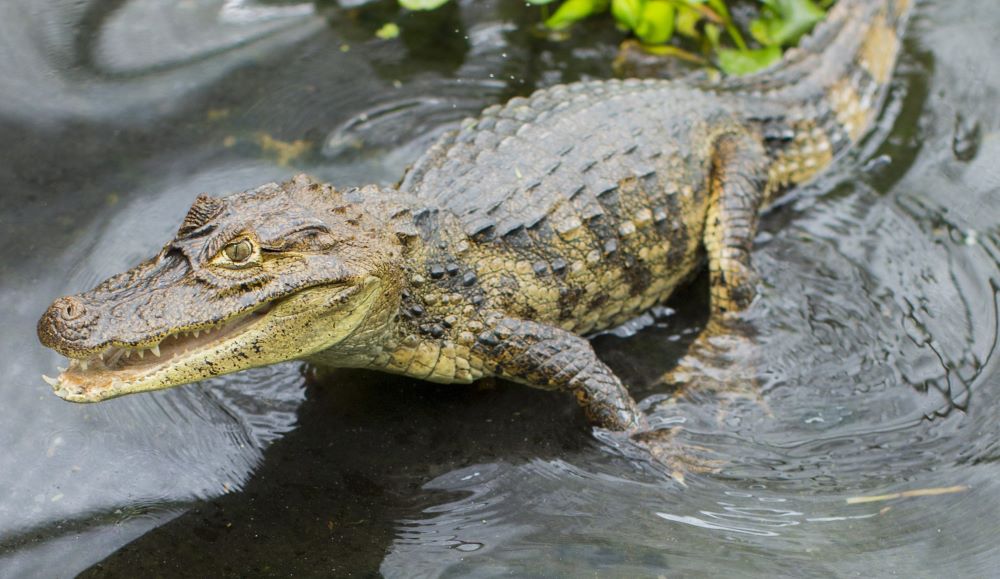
{"x": 69, "y": 308}
{"x": 67, "y": 324}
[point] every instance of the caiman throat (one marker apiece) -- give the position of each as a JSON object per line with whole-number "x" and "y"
{"x": 545, "y": 219}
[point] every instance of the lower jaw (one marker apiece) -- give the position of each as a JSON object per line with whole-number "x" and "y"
{"x": 103, "y": 384}
{"x": 73, "y": 393}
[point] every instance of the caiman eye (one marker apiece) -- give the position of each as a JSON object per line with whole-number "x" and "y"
{"x": 239, "y": 251}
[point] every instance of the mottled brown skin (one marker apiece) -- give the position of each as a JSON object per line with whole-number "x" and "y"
{"x": 545, "y": 219}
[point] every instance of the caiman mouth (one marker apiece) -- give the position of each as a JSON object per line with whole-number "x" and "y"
{"x": 118, "y": 370}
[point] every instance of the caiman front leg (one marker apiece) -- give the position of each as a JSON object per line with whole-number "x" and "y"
{"x": 551, "y": 358}
{"x": 736, "y": 197}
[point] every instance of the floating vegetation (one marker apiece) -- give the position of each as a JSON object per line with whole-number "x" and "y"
{"x": 701, "y": 31}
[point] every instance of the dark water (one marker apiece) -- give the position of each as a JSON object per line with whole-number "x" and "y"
{"x": 873, "y": 347}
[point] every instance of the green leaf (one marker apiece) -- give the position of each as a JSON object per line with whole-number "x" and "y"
{"x": 687, "y": 21}
{"x": 387, "y": 31}
{"x": 720, "y": 8}
{"x": 572, "y": 11}
{"x": 785, "y": 21}
{"x": 656, "y": 22}
{"x": 739, "y": 62}
{"x": 421, "y": 4}
{"x": 712, "y": 33}
{"x": 627, "y": 12}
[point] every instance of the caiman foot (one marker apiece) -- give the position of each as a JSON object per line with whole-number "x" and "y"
{"x": 707, "y": 391}
{"x": 719, "y": 369}
{"x": 663, "y": 450}
{"x": 735, "y": 288}
{"x": 679, "y": 459}
{"x": 616, "y": 413}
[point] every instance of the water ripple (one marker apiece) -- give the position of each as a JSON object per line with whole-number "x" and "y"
{"x": 850, "y": 430}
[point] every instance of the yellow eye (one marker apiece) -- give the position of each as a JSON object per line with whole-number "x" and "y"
{"x": 239, "y": 251}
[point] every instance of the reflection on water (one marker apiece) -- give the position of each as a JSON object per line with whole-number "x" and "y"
{"x": 850, "y": 430}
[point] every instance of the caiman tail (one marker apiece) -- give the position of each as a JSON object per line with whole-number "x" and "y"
{"x": 824, "y": 95}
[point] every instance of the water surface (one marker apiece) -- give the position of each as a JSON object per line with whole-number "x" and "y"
{"x": 872, "y": 350}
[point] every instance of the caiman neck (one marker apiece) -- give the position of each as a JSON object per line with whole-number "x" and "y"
{"x": 422, "y": 229}
{"x": 429, "y": 238}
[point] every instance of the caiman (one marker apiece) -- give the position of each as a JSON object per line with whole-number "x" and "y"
{"x": 545, "y": 219}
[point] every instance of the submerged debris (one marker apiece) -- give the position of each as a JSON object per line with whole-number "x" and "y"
{"x": 926, "y": 492}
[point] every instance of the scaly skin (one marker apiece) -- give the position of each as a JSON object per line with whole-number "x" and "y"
{"x": 549, "y": 217}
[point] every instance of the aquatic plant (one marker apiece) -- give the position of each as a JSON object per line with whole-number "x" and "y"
{"x": 703, "y": 31}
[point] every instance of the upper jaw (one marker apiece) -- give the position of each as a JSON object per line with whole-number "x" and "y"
{"x": 115, "y": 370}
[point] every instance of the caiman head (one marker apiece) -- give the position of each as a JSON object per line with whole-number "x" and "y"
{"x": 275, "y": 273}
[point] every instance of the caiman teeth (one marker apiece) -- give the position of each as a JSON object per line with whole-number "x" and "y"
{"x": 114, "y": 358}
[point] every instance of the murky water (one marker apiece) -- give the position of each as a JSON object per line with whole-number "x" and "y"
{"x": 873, "y": 348}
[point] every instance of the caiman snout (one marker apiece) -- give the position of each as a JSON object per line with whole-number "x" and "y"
{"x": 67, "y": 324}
